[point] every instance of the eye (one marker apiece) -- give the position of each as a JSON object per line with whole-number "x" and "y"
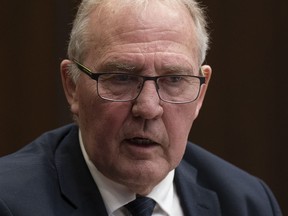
{"x": 175, "y": 79}
{"x": 119, "y": 78}
{"x": 172, "y": 80}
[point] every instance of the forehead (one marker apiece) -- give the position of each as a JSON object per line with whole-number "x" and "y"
{"x": 156, "y": 26}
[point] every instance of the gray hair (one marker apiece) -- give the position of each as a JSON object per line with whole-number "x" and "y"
{"x": 79, "y": 37}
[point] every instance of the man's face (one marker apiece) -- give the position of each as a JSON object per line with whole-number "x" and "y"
{"x": 137, "y": 143}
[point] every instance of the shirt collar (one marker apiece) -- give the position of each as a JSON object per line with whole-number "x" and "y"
{"x": 116, "y": 195}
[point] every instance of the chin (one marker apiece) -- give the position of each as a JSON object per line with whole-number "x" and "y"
{"x": 143, "y": 177}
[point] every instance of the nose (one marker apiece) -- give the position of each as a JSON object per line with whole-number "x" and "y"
{"x": 148, "y": 104}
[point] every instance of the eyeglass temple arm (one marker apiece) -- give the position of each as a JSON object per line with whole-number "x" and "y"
{"x": 85, "y": 70}
{"x": 202, "y": 77}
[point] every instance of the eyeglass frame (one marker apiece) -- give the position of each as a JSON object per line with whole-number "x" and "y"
{"x": 95, "y": 76}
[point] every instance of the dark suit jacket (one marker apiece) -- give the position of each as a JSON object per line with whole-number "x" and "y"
{"x": 49, "y": 177}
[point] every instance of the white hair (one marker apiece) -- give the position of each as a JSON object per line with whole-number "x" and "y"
{"x": 79, "y": 37}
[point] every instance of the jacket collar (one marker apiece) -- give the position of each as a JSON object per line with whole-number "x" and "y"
{"x": 195, "y": 200}
{"x": 75, "y": 180}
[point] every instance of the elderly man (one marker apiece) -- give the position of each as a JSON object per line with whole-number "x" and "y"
{"x": 135, "y": 84}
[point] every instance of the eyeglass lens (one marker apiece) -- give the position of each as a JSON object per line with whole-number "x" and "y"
{"x": 125, "y": 87}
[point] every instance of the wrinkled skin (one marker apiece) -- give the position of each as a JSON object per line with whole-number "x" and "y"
{"x": 136, "y": 143}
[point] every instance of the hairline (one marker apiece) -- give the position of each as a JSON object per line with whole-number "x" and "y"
{"x": 79, "y": 37}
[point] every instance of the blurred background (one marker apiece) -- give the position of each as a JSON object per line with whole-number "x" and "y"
{"x": 245, "y": 115}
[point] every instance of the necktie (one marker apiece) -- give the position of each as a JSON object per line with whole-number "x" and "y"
{"x": 141, "y": 206}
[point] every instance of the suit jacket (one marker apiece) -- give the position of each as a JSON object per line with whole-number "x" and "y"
{"x": 49, "y": 177}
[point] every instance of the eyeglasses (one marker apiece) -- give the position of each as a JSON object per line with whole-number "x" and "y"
{"x": 122, "y": 87}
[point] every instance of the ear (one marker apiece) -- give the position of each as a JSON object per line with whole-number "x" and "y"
{"x": 207, "y": 72}
{"x": 69, "y": 86}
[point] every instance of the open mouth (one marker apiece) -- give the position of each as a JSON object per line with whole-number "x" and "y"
{"x": 143, "y": 142}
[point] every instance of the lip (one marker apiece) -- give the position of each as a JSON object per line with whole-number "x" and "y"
{"x": 139, "y": 146}
{"x": 141, "y": 142}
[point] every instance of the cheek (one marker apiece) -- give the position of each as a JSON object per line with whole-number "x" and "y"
{"x": 85, "y": 95}
{"x": 101, "y": 130}
{"x": 97, "y": 117}
{"x": 179, "y": 120}
{"x": 102, "y": 121}
{"x": 178, "y": 123}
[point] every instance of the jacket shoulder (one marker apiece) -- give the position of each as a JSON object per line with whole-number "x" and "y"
{"x": 236, "y": 189}
{"x": 30, "y": 173}
{"x": 42, "y": 147}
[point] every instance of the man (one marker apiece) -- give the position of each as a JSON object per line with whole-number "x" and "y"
{"x": 135, "y": 84}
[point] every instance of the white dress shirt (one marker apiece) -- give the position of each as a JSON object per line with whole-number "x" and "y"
{"x": 115, "y": 195}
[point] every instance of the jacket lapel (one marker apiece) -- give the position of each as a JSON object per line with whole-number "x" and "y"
{"x": 75, "y": 180}
{"x": 82, "y": 195}
{"x": 195, "y": 200}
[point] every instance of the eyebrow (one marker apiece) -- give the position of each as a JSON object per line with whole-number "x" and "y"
{"x": 121, "y": 66}
{"x": 130, "y": 68}
{"x": 179, "y": 70}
